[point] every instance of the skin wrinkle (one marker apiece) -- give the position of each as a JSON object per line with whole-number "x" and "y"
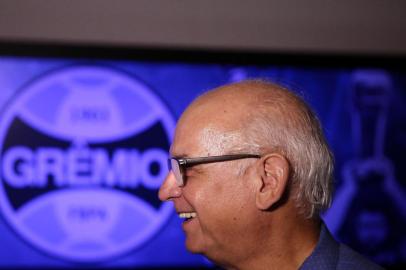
{"x": 217, "y": 142}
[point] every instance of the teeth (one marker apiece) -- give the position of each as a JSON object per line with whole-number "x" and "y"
{"x": 187, "y": 215}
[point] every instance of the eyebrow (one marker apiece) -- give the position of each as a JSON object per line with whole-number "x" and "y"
{"x": 179, "y": 155}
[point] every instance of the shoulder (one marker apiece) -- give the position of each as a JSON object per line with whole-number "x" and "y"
{"x": 348, "y": 259}
{"x": 330, "y": 254}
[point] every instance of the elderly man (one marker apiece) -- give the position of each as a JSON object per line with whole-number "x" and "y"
{"x": 250, "y": 173}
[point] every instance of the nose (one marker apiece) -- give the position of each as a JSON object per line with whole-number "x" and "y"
{"x": 169, "y": 188}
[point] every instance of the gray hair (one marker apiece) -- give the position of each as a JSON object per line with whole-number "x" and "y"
{"x": 281, "y": 121}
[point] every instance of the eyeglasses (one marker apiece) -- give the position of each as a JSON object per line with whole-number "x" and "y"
{"x": 179, "y": 165}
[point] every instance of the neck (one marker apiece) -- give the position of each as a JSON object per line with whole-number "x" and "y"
{"x": 285, "y": 245}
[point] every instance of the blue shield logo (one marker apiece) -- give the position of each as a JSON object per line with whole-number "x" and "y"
{"x": 83, "y": 152}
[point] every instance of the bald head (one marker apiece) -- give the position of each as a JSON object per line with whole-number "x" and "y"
{"x": 259, "y": 117}
{"x": 218, "y": 118}
{"x": 239, "y": 103}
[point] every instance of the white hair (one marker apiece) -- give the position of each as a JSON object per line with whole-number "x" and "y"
{"x": 281, "y": 121}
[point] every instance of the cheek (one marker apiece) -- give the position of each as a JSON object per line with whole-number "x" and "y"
{"x": 223, "y": 205}
{"x": 220, "y": 195}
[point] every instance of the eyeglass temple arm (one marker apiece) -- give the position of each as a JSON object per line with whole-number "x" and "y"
{"x": 199, "y": 160}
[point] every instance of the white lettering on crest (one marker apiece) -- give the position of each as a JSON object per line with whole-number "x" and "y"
{"x": 126, "y": 168}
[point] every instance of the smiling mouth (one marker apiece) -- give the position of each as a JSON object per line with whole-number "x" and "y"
{"x": 187, "y": 215}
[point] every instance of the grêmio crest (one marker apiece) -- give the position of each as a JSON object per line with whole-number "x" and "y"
{"x": 83, "y": 152}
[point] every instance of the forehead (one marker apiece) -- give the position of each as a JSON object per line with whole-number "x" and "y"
{"x": 214, "y": 123}
{"x": 206, "y": 133}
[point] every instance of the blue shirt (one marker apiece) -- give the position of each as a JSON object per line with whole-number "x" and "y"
{"x": 329, "y": 254}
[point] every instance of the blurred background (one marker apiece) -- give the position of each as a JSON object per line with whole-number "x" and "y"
{"x": 90, "y": 92}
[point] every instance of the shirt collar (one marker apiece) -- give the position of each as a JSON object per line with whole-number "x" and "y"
{"x": 325, "y": 255}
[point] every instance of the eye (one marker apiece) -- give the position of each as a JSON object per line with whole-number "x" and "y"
{"x": 192, "y": 172}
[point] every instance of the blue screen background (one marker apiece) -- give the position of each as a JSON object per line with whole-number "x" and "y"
{"x": 369, "y": 213}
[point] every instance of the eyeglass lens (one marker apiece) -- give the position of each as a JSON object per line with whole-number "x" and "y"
{"x": 174, "y": 166}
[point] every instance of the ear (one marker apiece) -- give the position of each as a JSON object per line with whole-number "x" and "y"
{"x": 274, "y": 173}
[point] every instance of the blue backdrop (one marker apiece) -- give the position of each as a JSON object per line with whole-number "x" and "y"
{"x": 83, "y": 145}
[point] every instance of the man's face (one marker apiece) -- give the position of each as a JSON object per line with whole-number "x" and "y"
{"x": 216, "y": 195}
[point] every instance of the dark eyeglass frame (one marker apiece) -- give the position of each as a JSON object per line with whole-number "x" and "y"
{"x": 183, "y": 163}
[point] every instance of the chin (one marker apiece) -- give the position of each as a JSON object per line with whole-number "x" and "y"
{"x": 198, "y": 248}
{"x": 194, "y": 246}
